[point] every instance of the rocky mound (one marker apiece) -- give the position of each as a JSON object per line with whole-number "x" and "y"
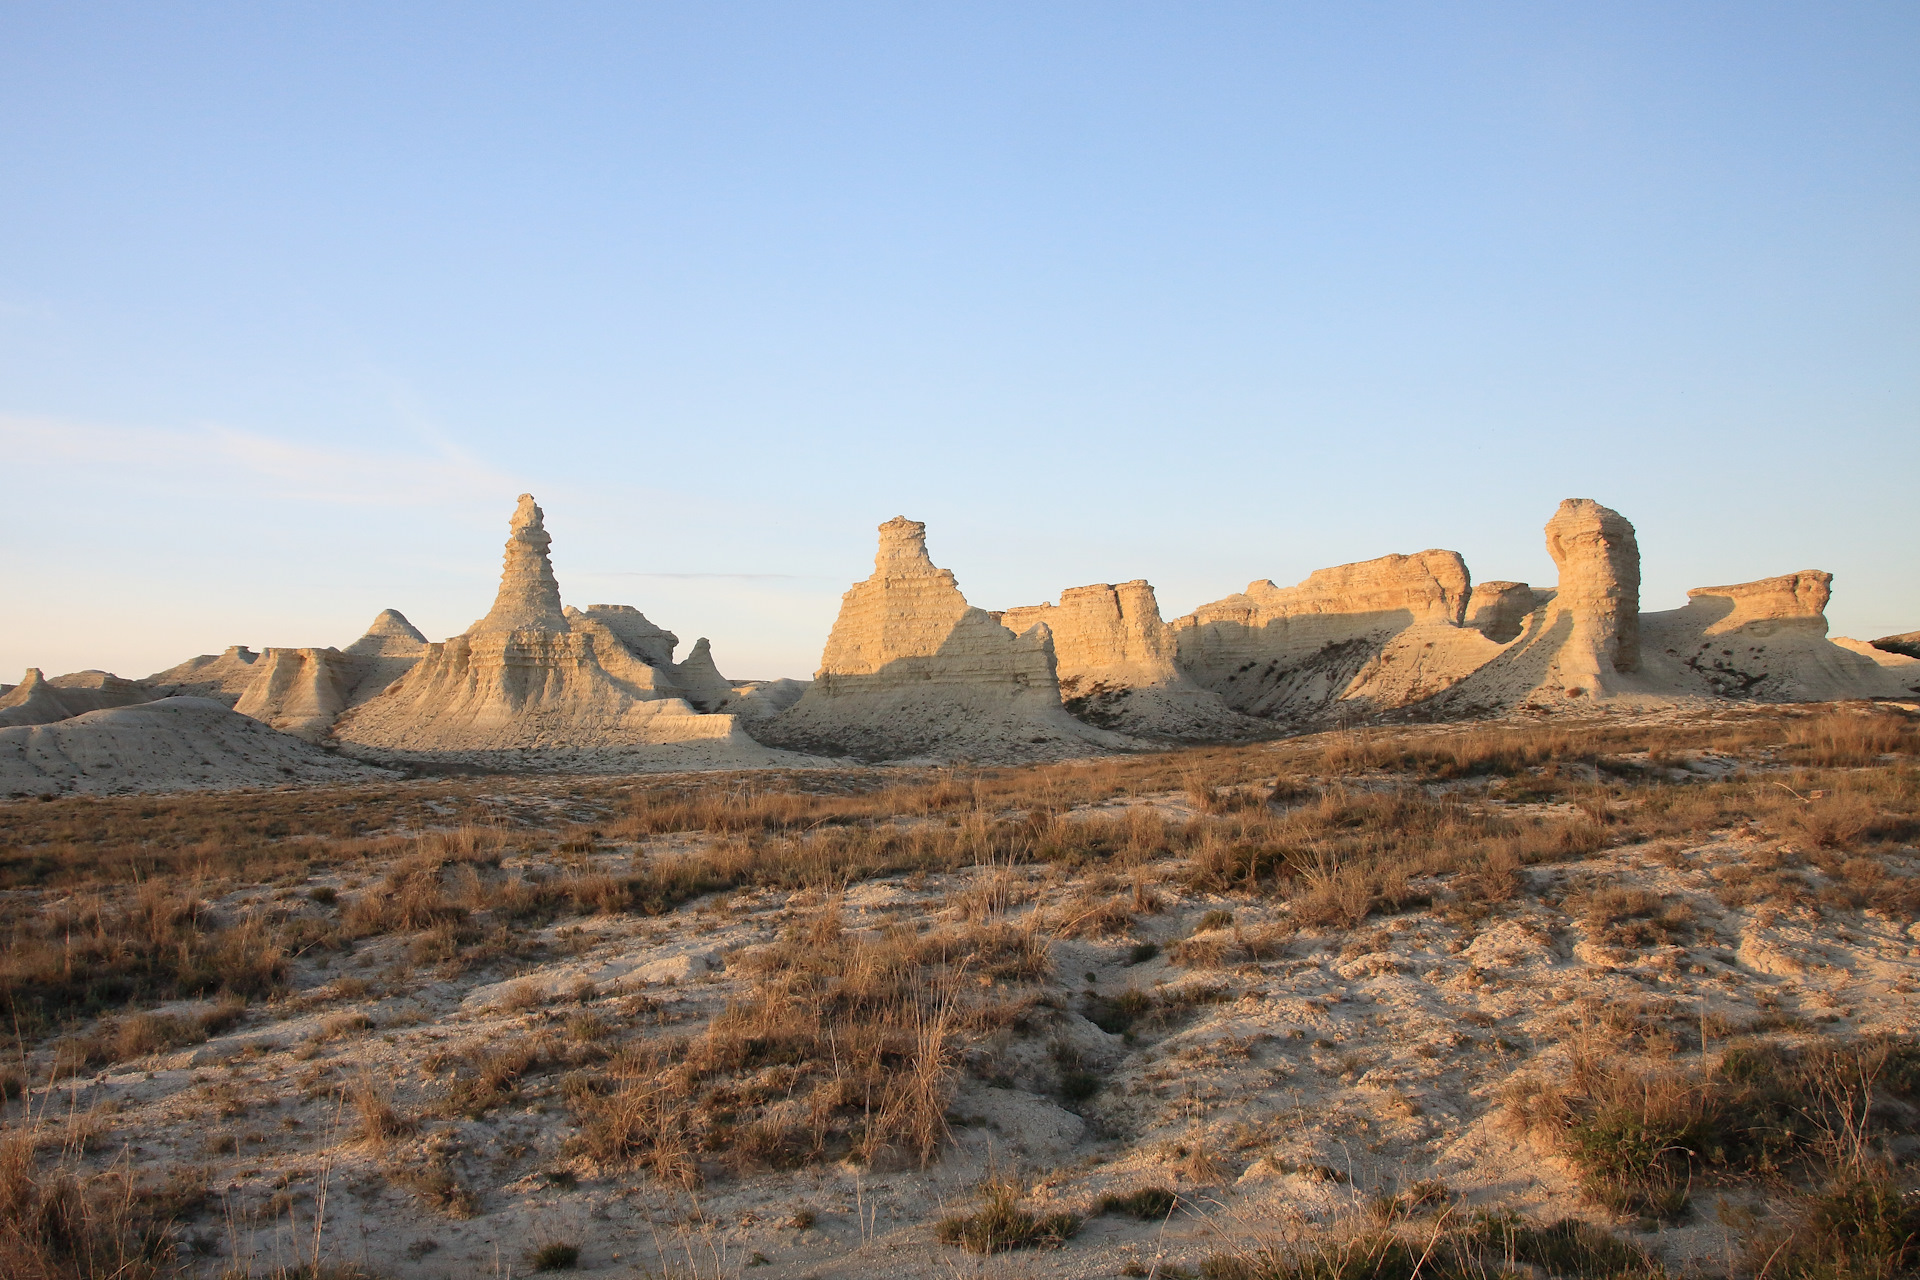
{"x": 1767, "y": 641}
{"x": 38, "y": 700}
{"x": 174, "y": 744}
{"x": 1905, "y": 646}
{"x": 222, "y": 677}
{"x": 1115, "y": 660}
{"x": 912, "y": 670}
{"x": 534, "y": 676}
{"x": 303, "y": 691}
{"x": 1366, "y": 637}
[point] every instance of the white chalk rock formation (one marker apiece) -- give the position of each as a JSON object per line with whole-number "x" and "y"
{"x": 700, "y": 682}
{"x": 300, "y": 691}
{"x": 1499, "y": 610}
{"x": 1767, "y": 641}
{"x": 531, "y": 675}
{"x": 173, "y": 744}
{"x": 649, "y": 643}
{"x": 1115, "y": 660}
{"x": 37, "y": 700}
{"x": 1599, "y": 561}
{"x": 1363, "y": 637}
{"x": 222, "y": 677}
{"x": 912, "y": 670}
{"x": 757, "y": 700}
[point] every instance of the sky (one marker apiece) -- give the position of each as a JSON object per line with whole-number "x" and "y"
{"x": 296, "y": 298}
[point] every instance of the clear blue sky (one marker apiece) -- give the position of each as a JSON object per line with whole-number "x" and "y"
{"x": 295, "y": 298}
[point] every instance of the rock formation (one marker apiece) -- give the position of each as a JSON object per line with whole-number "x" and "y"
{"x": 300, "y": 691}
{"x": 1499, "y": 610}
{"x": 1907, "y": 646}
{"x": 1766, "y": 641}
{"x": 1368, "y": 636}
{"x": 1115, "y": 661}
{"x": 911, "y": 669}
{"x": 37, "y": 700}
{"x": 222, "y": 677}
{"x": 532, "y": 675}
{"x": 173, "y": 744}
{"x": 1599, "y": 562}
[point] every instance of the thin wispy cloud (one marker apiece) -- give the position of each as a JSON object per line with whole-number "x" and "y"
{"x": 266, "y": 465}
{"x": 730, "y": 577}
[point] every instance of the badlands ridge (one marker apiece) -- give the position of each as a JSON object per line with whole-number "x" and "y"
{"x": 912, "y": 671}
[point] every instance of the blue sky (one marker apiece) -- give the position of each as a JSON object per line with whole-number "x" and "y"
{"x": 295, "y": 298}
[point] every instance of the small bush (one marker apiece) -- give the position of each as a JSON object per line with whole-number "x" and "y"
{"x": 1149, "y": 1204}
{"x": 1003, "y": 1223}
{"x": 555, "y": 1256}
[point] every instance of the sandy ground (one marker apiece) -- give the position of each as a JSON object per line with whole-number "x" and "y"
{"x": 1290, "y": 1091}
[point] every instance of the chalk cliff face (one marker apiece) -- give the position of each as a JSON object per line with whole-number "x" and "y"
{"x": 1115, "y": 660}
{"x": 1498, "y": 610}
{"x": 532, "y": 675}
{"x": 911, "y": 669}
{"x": 1767, "y": 641}
{"x": 1368, "y": 637}
{"x": 1599, "y": 561}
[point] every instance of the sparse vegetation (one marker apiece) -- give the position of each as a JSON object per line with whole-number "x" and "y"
{"x": 1643, "y": 927}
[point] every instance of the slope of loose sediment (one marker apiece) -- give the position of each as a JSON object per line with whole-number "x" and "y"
{"x": 912, "y": 670}
{"x": 1115, "y": 660}
{"x": 174, "y": 744}
{"x": 1367, "y": 637}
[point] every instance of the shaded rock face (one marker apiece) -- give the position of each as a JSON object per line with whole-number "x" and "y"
{"x": 301, "y": 691}
{"x": 1115, "y": 660}
{"x": 1498, "y": 610}
{"x": 1906, "y": 646}
{"x": 533, "y": 675}
{"x": 1764, "y": 640}
{"x": 912, "y": 669}
{"x": 1372, "y": 635}
{"x": 1599, "y": 562}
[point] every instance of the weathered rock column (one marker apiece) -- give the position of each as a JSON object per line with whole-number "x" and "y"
{"x": 1599, "y": 562}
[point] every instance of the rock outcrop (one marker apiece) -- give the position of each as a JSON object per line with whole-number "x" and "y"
{"x": 1906, "y": 646}
{"x": 1599, "y": 561}
{"x": 1766, "y": 641}
{"x": 38, "y": 700}
{"x": 1366, "y": 637}
{"x": 1115, "y": 660}
{"x": 222, "y": 677}
{"x": 173, "y": 744}
{"x": 912, "y": 670}
{"x": 1499, "y": 610}
{"x": 534, "y": 676}
{"x": 300, "y": 691}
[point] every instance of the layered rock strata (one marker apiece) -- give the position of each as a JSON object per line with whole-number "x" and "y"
{"x": 1767, "y": 641}
{"x": 912, "y": 670}
{"x": 1115, "y": 660}
{"x": 532, "y": 675}
{"x": 1369, "y": 636}
{"x": 1598, "y": 557}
